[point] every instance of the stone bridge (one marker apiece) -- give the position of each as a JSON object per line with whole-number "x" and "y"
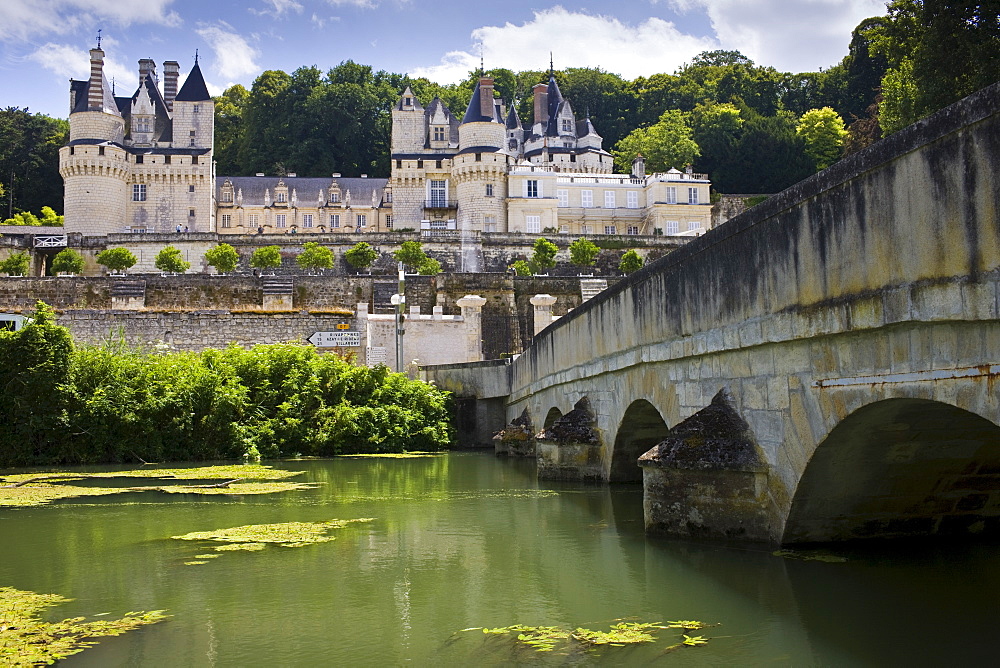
{"x": 822, "y": 367}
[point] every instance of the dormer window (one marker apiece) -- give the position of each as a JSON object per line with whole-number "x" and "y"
{"x": 280, "y": 197}
{"x": 567, "y": 125}
{"x": 407, "y": 101}
{"x": 439, "y": 134}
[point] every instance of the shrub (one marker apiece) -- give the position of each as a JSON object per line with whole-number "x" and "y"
{"x": 223, "y": 257}
{"x": 631, "y": 261}
{"x": 17, "y": 264}
{"x": 268, "y": 257}
{"x": 314, "y": 256}
{"x": 411, "y": 254}
{"x": 169, "y": 259}
{"x": 429, "y": 267}
{"x": 361, "y": 255}
{"x": 583, "y": 252}
{"x": 68, "y": 261}
{"x": 544, "y": 256}
{"x": 116, "y": 259}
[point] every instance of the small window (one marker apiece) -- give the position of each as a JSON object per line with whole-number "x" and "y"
{"x": 407, "y": 101}
{"x": 138, "y": 192}
{"x": 196, "y": 108}
{"x": 610, "y": 229}
{"x": 694, "y": 225}
{"x": 586, "y": 198}
{"x": 632, "y": 229}
{"x": 191, "y": 190}
{"x": 227, "y": 220}
{"x": 307, "y": 220}
{"x": 531, "y": 188}
{"x": 399, "y": 164}
{"x": 632, "y": 199}
{"x": 279, "y": 220}
{"x": 254, "y": 220}
{"x": 673, "y": 227}
{"x": 72, "y": 151}
{"x": 609, "y": 199}
{"x": 567, "y": 125}
{"x": 490, "y": 224}
{"x": 438, "y": 134}
{"x": 479, "y": 157}
{"x": 194, "y": 160}
{"x": 190, "y": 213}
{"x": 280, "y": 196}
{"x": 533, "y": 224}
{"x": 420, "y": 164}
{"x": 166, "y": 160}
{"x": 692, "y": 195}
{"x": 437, "y": 163}
{"x": 671, "y": 195}
{"x": 100, "y": 150}
{"x": 227, "y": 196}
{"x": 489, "y": 190}
{"x": 388, "y": 222}
{"x": 388, "y": 197}
{"x": 362, "y": 220}
{"x": 138, "y": 159}
{"x": 334, "y": 220}
{"x": 563, "y": 196}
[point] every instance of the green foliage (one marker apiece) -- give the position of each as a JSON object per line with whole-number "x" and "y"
{"x": 16, "y": 264}
{"x": 23, "y": 218}
{"x": 116, "y": 259}
{"x": 68, "y": 261}
{"x": 522, "y": 268}
{"x": 113, "y": 403}
{"x": 549, "y": 638}
{"x": 583, "y": 252}
{"x": 666, "y": 144}
{"x": 544, "y": 255}
{"x": 411, "y": 254}
{"x": 631, "y": 261}
{"x": 361, "y": 255}
{"x": 268, "y": 257}
{"x": 429, "y": 267}
{"x": 823, "y": 132}
{"x": 223, "y": 257}
{"x": 314, "y": 256}
{"x": 50, "y": 218}
{"x": 169, "y": 259}
{"x": 29, "y": 160}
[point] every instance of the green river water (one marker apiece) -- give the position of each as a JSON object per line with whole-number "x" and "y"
{"x": 466, "y": 540}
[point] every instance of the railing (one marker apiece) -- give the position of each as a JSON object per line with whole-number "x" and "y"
{"x": 50, "y": 241}
{"x": 440, "y": 204}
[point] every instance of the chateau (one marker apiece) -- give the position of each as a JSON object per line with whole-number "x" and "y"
{"x": 145, "y": 164}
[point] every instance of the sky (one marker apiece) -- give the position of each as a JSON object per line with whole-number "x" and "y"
{"x": 44, "y": 43}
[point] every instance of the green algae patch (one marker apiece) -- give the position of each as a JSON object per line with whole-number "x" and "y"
{"x": 255, "y": 537}
{"x": 26, "y": 640}
{"x": 553, "y": 638}
{"x": 37, "y": 489}
{"x": 393, "y": 455}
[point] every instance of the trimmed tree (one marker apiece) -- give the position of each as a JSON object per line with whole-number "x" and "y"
{"x": 268, "y": 257}
{"x": 16, "y": 265}
{"x": 169, "y": 259}
{"x": 68, "y": 261}
{"x": 314, "y": 256}
{"x": 411, "y": 254}
{"x": 631, "y": 261}
{"x": 544, "y": 256}
{"x": 116, "y": 259}
{"x": 429, "y": 267}
{"x": 361, "y": 255}
{"x": 583, "y": 252}
{"x": 223, "y": 257}
{"x": 521, "y": 268}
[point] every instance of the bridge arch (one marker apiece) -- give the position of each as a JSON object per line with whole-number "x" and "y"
{"x": 897, "y": 468}
{"x": 641, "y": 428}
{"x": 551, "y": 416}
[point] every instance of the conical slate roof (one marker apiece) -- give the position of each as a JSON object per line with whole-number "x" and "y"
{"x": 194, "y": 88}
{"x": 513, "y": 122}
{"x": 474, "y": 113}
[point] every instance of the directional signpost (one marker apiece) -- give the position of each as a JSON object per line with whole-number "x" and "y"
{"x": 336, "y": 339}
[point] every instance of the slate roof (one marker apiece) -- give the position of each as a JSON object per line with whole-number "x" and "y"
{"x": 474, "y": 114}
{"x": 555, "y": 100}
{"x": 513, "y": 122}
{"x": 81, "y": 92}
{"x": 306, "y": 188}
{"x": 194, "y": 88}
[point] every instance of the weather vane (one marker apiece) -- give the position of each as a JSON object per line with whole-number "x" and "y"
{"x": 98, "y": 38}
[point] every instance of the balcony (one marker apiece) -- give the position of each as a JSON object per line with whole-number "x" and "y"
{"x": 440, "y": 203}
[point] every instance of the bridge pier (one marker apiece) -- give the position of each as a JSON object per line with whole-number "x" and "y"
{"x": 570, "y": 449}
{"x": 517, "y": 439}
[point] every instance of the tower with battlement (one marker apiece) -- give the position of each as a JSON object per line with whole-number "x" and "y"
{"x": 139, "y": 163}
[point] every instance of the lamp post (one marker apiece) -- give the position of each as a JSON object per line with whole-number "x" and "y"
{"x": 399, "y": 301}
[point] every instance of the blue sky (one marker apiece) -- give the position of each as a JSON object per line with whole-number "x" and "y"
{"x": 43, "y": 43}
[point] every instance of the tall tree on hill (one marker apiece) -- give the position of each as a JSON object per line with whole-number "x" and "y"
{"x": 29, "y": 161}
{"x": 666, "y": 144}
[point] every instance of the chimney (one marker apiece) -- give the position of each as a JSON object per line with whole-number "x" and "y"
{"x": 171, "y": 70}
{"x": 541, "y": 92}
{"x": 95, "y": 94}
{"x": 639, "y": 167}
{"x": 146, "y": 68}
{"x": 486, "y": 97}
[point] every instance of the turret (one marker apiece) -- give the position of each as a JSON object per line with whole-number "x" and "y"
{"x": 482, "y": 126}
{"x": 408, "y": 131}
{"x": 194, "y": 113}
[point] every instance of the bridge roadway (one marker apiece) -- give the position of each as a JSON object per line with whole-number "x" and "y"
{"x": 822, "y": 367}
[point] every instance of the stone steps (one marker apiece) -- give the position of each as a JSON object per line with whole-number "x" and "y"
{"x": 590, "y": 287}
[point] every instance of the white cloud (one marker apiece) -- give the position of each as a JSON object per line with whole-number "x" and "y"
{"x": 22, "y": 19}
{"x": 576, "y": 39}
{"x": 70, "y": 62}
{"x": 234, "y": 57}
{"x": 795, "y": 36}
{"x": 278, "y": 8}
{"x": 361, "y": 4}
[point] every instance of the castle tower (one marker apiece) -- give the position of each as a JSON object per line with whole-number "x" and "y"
{"x": 480, "y": 168}
{"x": 193, "y": 137}
{"x": 94, "y": 165}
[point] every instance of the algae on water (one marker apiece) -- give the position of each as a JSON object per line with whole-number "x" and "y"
{"x": 26, "y": 640}
{"x": 551, "y": 638}
{"x": 255, "y": 537}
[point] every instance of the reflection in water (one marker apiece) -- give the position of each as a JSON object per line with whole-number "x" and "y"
{"x": 465, "y": 540}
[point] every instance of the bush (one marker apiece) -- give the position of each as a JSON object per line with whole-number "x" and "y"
{"x": 361, "y": 255}
{"x": 314, "y": 256}
{"x": 115, "y": 403}
{"x": 223, "y": 257}
{"x": 116, "y": 259}
{"x": 68, "y": 261}
{"x": 429, "y": 267}
{"x": 410, "y": 254}
{"x": 522, "y": 268}
{"x": 268, "y": 257}
{"x": 544, "y": 256}
{"x": 169, "y": 259}
{"x": 17, "y": 264}
{"x": 583, "y": 252}
{"x": 631, "y": 261}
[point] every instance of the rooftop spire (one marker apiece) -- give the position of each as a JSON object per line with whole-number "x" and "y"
{"x": 551, "y": 66}
{"x": 482, "y": 62}
{"x": 196, "y": 56}
{"x": 99, "y": 38}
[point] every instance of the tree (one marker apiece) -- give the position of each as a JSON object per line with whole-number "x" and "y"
{"x": 50, "y": 218}
{"x": 429, "y": 267}
{"x": 169, "y": 259}
{"x": 29, "y": 160}
{"x": 544, "y": 256}
{"x": 68, "y": 261}
{"x": 823, "y": 132}
{"x": 666, "y": 144}
{"x": 23, "y": 218}
{"x": 411, "y": 254}
{"x": 631, "y": 261}
{"x": 116, "y": 259}
{"x": 361, "y": 255}
{"x": 223, "y": 257}
{"x": 17, "y": 264}
{"x": 314, "y": 256}
{"x": 522, "y": 268}
{"x": 583, "y": 252}
{"x": 268, "y": 257}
